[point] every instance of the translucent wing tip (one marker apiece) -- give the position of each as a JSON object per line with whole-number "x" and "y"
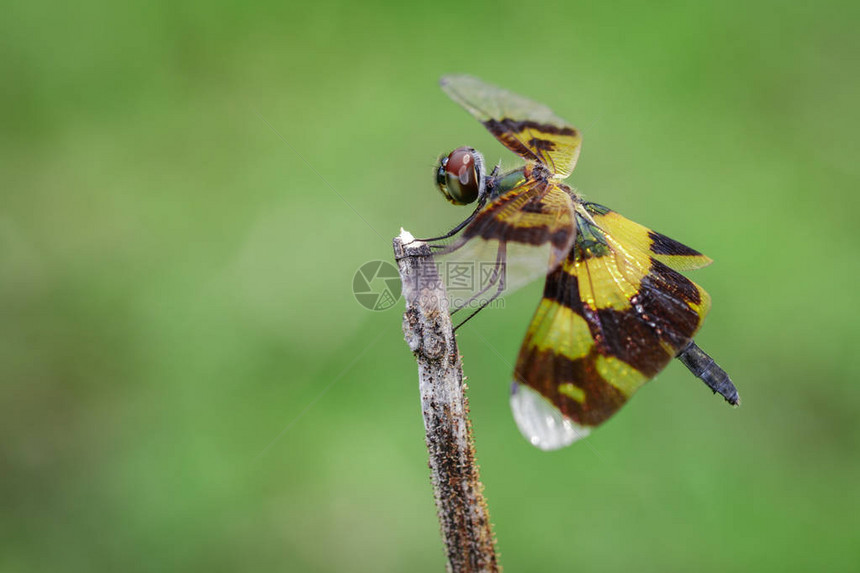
{"x": 462, "y": 87}
{"x": 541, "y": 423}
{"x": 449, "y": 79}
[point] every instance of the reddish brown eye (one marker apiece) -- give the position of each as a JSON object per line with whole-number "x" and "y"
{"x": 459, "y": 175}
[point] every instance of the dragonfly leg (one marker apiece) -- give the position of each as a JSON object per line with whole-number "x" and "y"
{"x": 498, "y": 275}
{"x": 456, "y": 229}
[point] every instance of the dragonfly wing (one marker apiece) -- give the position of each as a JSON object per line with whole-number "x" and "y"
{"x": 611, "y": 318}
{"x": 527, "y": 128}
{"x": 668, "y": 251}
{"x": 521, "y": 236}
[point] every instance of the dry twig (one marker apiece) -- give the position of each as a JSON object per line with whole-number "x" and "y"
{"x": 463, "y": 514}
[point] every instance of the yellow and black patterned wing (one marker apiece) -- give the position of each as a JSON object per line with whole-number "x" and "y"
{"x": 525, "y": 233}
{"x": 643, "y": 240}
{"x": 613, "y": 315}
{"x": 525, "y": 127}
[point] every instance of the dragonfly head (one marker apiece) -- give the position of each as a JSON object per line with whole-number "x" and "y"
{"x": 461, "y": 176}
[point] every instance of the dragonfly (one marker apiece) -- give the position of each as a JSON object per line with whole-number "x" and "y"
{"x": 615, "y": 310}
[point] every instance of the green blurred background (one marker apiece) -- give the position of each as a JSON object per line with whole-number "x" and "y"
{"x": 188, "y": 188}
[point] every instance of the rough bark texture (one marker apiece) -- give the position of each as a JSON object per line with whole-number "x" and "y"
{"x": 463, "y": 515}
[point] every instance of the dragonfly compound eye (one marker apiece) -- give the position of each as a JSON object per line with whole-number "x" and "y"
{"x": 460, "y": 176}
